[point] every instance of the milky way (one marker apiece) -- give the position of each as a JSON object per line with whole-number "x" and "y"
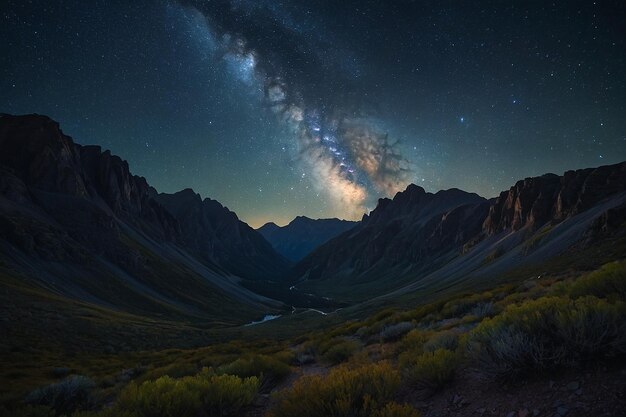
{"x": 347, "y": 157}
{"x": 282, "y": 108}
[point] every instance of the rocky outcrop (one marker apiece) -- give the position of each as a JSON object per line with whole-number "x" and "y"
{"x": 302, "y": 235}
{"x": 534, "y": 202}
{"x": 417, "y": 232}
{"x": 75, "y": 220}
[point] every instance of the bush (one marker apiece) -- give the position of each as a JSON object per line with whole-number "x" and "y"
{"x": 430, "y": 371}
{"x": 269, "y": 370}
{"x": 395, "y": 331}
{"x": 203, "y": 394}
{"x": 414, "y": 341}
{"x": 65, "y": 396}
{"x": 607, "y": 282}
{"x": 549, "y": 332}
{"x": 443, "y": 340}
{"x": 341, "y": 351}
{"x": 396, "y": 410}
{"x": 344, "y": 392}
{"x": 482, "y": 310}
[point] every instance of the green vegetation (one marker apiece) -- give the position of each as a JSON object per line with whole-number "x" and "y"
{"x": 268, "y": 369}
{"x": 344, "y": 392}
{"x": 65, "y": 396}
{"x": 341, "y": 351}
{"x": 430, "y": 371}
{"x": 203, "y": 394}
{"x": 354, "y": 368}
{"x": 549, "y": 332}
{"x": 607, "y": 282}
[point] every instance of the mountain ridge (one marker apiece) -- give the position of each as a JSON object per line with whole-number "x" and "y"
{"x": 303, "y": 234}
{"x": 415, "y": 234}
{"x": 76, "y": 221}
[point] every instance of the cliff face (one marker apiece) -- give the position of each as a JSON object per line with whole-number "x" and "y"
{"x": 416, "y": 233}
{"x": 76, "y": 219}
{"x": 41, "y": 159}
{"x": 536, "y": 201}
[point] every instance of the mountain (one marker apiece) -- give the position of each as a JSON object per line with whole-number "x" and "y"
{"x": 414, "y": 230}
{"x": 420, "y": 241}
{"x": 297, "y": 239}
{"x": 215, "y": 234}
{"x": 77, "y": 226}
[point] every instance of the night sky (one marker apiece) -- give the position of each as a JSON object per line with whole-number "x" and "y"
{"x": 318, "y": 108}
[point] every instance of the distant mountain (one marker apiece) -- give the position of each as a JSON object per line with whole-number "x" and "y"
{"x": 404, "y": 232}
{"x": 419, "y": 240}
{"x": 215, "y": 234}
{"x": 76, "y": 224}
{"x": 297, "y": 239}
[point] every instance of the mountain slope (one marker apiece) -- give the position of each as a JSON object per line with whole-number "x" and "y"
{"x": 401, "y": 234}
{"x": 76, "y": 224}
{"x": 297, "y": 239}
{"x": 215, "y": 234}
{"x": 427, "y": 242}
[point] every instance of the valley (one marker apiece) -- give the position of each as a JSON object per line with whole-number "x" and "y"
{"x": 104, "y": 277}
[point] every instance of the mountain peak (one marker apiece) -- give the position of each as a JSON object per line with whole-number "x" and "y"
{"x": 303, "y": 234}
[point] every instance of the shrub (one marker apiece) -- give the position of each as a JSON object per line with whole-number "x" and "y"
{"x": 414, "y": 341}
{"x": 173, "y": 370}
{"x": 269, "y": 370}
{"x": 608, "y": 281}
{"x": 482, "y": 310}
{"x": 341, "y": 351}
{"x": 430, "y": 371}
{"x": 205, "y": 393}
{"x": 64, "y": 396}
{"x": 396, "y": 410}
{"x": 395, "y": 331}
{"x": 443, "y": 340}
{"x": 344, "y": 392}
{"x": 549, "y": 332}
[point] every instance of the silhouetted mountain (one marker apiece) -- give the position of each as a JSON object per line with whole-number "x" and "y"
{"x": 398, "y": 233}
{"x": 423, "y": 240}
{"x": 297, "y": 239}
{"x": 75, "y": 222}
{"x": 536, "y": 201}
{"x": 216, "y": 235}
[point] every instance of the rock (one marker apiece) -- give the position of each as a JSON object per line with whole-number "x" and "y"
{"x": 457, "y": 399}
{"x": 562, "y": 410}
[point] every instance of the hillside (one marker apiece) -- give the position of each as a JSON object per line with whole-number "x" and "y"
{"x": 77, "y": 228}
{"x": 420, "y": 241}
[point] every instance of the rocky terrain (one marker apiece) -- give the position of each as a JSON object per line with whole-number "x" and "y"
{"x": 438, "y": 238}
{"x": 75, "y": 222}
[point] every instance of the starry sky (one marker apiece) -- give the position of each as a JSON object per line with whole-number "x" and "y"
{"x": 318, "y": 108}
